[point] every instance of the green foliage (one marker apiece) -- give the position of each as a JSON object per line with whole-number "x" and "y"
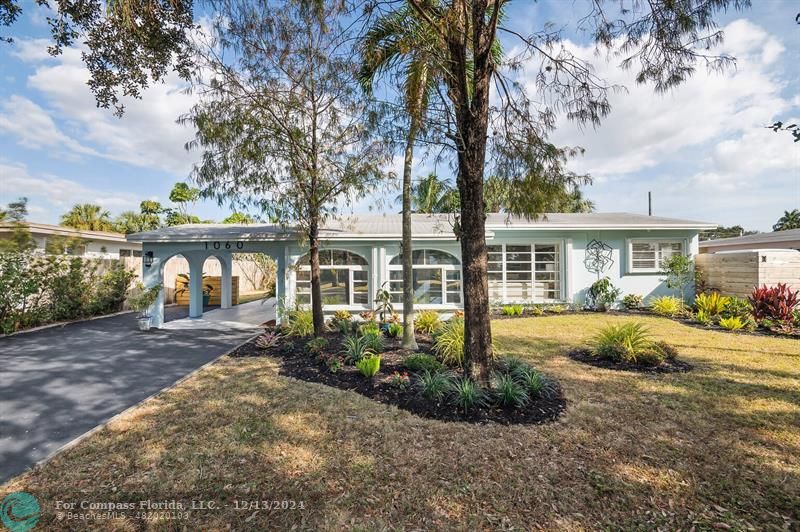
{"x": 702, "y": 317}
{"x": 448, "y": 343}
{"x": 621, "y": 343}
{"x": 508, "y": 392}
{"x": 401, "y": 380}
{"x": 631, "y": 343}
{"x": 356, "y": 348}
{"x": 734, "y": 323}
{"x": 427, "y": 321}
{"x": 419, "y": 362}
{"x": 374, "y": 339}
{"x": 466, "y": 394}
{"x": 512, "y": 310}
{"x": 679, "y": 271}
{"x": 369, "y": 365}
{"x": 87, "y": 217}
{"x": 369, "y": 327}
{"x": 19, "y": 239}
{"x": 317, "y": 345}
{"x": 434, "y": 385}
{"x": 383, "y": 303}
{"x": 712, "y": 304}
{"x": 342, "y": 315}
{"x": 602, "y": 294}
{"x": 141, "y": 298}
{"x": 238, "y": 218}
{"x": 666, "y": 305}
{"x": 534, "y": 382}
{"x": 556, "y": 309}
{"x": 737, "y": 307}
{"x": 393, "y": 330}
{"x": 790, "y": 219}
{"x": 35, "y": 290}
{"x": 632, "y": 301}
{"x": 535, "y": 310}
{"x": 299, "y": 323}
{"x": 510, "y": 365}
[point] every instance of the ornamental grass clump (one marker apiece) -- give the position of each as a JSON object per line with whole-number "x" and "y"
{"x": 299, "y": 323}
{"x": 420, "y": 362}
{"x": 427, "y": 322}
{"x": 433, "y": 385}
{"x": 448, "y": 343}
{"x": 630, "y": 343}
{"x": 466, "y": 394}
{"x": 356, "y": 348}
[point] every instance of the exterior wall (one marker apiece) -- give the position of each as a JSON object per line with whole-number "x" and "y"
{"x": 709, "y": 247}
{"x": 736, "y": 273}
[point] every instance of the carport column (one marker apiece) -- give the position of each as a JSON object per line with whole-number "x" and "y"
{"x": 226, "y": 283}
{"x": 195, "y": 285}
{"x": 152, "y": 276}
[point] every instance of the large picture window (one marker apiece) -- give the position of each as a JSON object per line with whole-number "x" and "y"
{"x": 647, "y": 256}
{"x": 344, "y": 277}
{"x": 524, "y": 272}
{"x": 436, "y": 275}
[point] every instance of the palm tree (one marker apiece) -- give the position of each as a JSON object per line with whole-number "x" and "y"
{"x": 400, "y": 41}
{"x": 789, "y": 220}
{"x": 88, "y": 217}
{"x": 432, "y": 195}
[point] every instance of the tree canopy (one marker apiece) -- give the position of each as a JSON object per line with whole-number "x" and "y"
{"x": 789, "y": 220}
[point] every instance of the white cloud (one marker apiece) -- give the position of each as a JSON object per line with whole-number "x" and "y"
{"x": 146, "y": 136}
{"x": 702, "y": 144}
{"x": 50, "y": 195}
{"x": 34, "y": 128}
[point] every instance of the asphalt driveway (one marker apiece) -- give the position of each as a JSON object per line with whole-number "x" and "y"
{"x": 58, "y": 383}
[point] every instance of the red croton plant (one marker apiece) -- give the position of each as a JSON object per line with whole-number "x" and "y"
{"x": 776, "y": 303}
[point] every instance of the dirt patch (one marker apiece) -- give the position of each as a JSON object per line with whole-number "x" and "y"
{"x": 668, "y": 366}
{"x": 296, "y": 362}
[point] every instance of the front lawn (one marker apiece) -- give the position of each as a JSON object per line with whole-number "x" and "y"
{"x": 715, "y": 447}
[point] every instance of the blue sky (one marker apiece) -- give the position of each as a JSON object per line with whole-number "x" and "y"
{"x": 701, "y": 149}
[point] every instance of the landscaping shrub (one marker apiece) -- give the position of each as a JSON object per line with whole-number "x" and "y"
{"x": 666, "y": 305}
{"x": 508, "y": 392}
{"x": 466, "y": 394}
{"x": 734, "y": 323}
{"x": 512, "y": 310}
{"x": 511, "y": 365}
{"x": 427, "y": 322}
{"x": 737, "y": 307}
{"x": 342, "y": 315}
{"x": 401, "y": 380}
{"x": 373, "y": 340}
{"x": 556, "y": 309}
{"x": 35, "y": 290}
{"x": 711, "y": 303}
{"x": 632, "y": 301}
{"x": 630, "y": 343}
{"x": 680, "y": 273}
{"x": 602, "y": 294}
{"x": 369, "y": 327}
{"x": 419, "y": 362}
{"x": 316, "y": 346}
{"x": 448, "y": 343}
{"x": 535, "y": 310}
{"x": 702, "y": 317}
{"x": 536, "y": 384}
{"x": 393, "y": 330}
{"x": 299, "y": 323}
{"x": 268, "y": 340}
{"x": 774, "y": 304}
{"x": 369, "y": 365}
{"x": 356, "y": 348}
{"x": 434, "y": 385}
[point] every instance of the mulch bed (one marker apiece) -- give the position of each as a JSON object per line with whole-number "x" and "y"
{"x": 296, "y": 362}
{"x": 668, "y": 366}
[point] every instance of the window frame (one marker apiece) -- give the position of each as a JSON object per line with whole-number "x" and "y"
{"x": 661, "y": 240}
{"x": 560, "y": 269}
{"x": 443, "y": 269}
{"x": 300, "y": 265}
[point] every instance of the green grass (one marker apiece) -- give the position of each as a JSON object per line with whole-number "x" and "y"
{"x": 713, "y": 448}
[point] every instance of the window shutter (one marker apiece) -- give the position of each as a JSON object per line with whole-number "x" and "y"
{"x": 643, "y": 256}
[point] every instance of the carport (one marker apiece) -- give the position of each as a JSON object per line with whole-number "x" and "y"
{"x": 196, "y": 243}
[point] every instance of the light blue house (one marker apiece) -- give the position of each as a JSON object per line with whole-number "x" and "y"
{"x": 553, "y": 259}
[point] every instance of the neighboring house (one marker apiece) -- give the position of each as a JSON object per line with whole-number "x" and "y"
{"x": 553, "y": 259}
{"x": 789, "y": 239}
{"x": 90, "y": 244}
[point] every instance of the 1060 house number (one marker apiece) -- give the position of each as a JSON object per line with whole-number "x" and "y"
{"x": 224, "y": 245}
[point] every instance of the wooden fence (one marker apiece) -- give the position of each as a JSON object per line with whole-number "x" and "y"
{"x": 736, "y": 273}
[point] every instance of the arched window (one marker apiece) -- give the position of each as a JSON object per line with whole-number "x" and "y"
{"x": 344, "y": 277}
{"x": 436, "y": 274}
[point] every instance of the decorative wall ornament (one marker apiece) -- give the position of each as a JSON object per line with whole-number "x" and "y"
{"x": 598, "y": 257}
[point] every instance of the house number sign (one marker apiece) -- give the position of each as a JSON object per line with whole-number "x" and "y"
{"x": 224, "y": 245}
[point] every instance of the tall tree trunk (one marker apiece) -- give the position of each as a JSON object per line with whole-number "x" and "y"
{"x": 409, "y": 340}
{"x": 316, "y": 288}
